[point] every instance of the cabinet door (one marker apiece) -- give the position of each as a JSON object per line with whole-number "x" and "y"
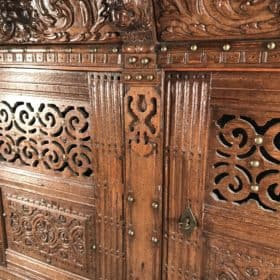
{"x": 222, "y": 156}
{"x": 242, "y": 199}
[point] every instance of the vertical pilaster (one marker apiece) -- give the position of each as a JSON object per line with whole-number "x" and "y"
{"x": 143, "y": 153}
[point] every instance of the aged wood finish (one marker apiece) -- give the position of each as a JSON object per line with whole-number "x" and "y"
{"x": 139, "y": 139}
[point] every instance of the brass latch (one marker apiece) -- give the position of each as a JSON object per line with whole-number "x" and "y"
{"x": 187, "y": 221}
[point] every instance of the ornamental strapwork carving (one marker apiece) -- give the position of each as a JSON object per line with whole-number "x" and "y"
{"x": 49, "y": 232}
{"x": 142, "y": 106}
{"x": 246, "y": 155}
{"x": 46, "y": 137}
{"x": 214, "y": 19}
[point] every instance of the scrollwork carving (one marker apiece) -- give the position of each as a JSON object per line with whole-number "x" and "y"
{"x": 28, "y": 21}
{"x": 46, "y": 137}
{"x": 211, "y": 19}
{"x": 247, "y": 158}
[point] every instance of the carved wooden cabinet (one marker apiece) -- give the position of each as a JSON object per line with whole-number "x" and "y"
{"x": 139, "y": 139}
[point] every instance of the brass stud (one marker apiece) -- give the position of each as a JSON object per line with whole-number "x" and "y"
{"x": 255, "y": 163}
{"x": 127, "y": 77}
{"x": 150, "y": 77}
{"x": 163, "y": 49}
{"x": 258, "y": 140}
{"x": 226, "y": 47}
{"x": 94, "y": 50}
{"x": 154, "y": 239}
{"x": 155, "y": 205}
{"x": 93, "y": 247}
{"x": 132, "y": 60}
{"x": 131, "y": 232}
{"x": 139, "y": 77}
{"x": 145, "y": 60}
{"x": 130, "y": 198}
{"x": 115, "y": 50}
{"x": 255, "y": 188}
{"x": 271, "y": 45}
{"x": 194, "y": 47}
{"x": 4, "y": 214}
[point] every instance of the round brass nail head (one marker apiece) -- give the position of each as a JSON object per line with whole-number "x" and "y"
{"x": 127, "y": 77}
{"x": 258, "y": 140}
{"x": 131, "y": 232}
{"x": 132, "y": 60}
{"x": 255, "y": 163}
{"x": 154, "y": 239}
{"x": 115, "y": 50}
{"x": 150, "y": 77}
{"x": 155, "y": 205}
{"x": 145, "y": 61}
{"x": 194, "y": 47}
{"x": 226, "y": 47}
{"x": 130, "y": 198}
{"x": 163, "y": 49}
{"x": 139, "y": 77}
{"x": 271, "y": 46}
{"x": 255, "y": 188}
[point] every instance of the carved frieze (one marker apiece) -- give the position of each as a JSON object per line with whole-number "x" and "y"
{"x": 216, "y": 19}
{"x": 45, "y": 21}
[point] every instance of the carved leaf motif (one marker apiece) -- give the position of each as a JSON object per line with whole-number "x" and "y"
{"x": 54, "y": 21}
{"x": 209, "y": 19}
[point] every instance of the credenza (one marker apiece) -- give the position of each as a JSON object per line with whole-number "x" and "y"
{"x": 139, "y": 139}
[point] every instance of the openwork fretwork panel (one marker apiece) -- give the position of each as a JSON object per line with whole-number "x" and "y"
{"x": 246, "y": 160}
{"x": 46, "y": 137}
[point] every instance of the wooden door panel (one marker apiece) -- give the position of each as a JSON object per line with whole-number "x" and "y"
{"x": 186, "y": 107}
{"x": 242, "y": 200}
{"x": 61, "y": 154}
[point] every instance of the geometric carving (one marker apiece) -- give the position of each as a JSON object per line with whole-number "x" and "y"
{"x": 43, "y": 230}
{"x": 46, "y": 137}
{"x": 245, "y": 169}
{"x": 142, "y": 105}
{"x": 212, "y": 19}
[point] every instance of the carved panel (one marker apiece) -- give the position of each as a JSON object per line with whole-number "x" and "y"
{"x": 214, "y": 19}
{"x": 37, "y": 21}
{"x": 46, "y": 21}
{"x": 142, "y": 107}
{"x": 46, "y": 137}
{"x": 233, "y": 260}
{"x": 46, "y": 230}
{"x": 187, "y": 101}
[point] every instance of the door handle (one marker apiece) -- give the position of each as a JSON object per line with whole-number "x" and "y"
{"x": 187, "y": 221}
